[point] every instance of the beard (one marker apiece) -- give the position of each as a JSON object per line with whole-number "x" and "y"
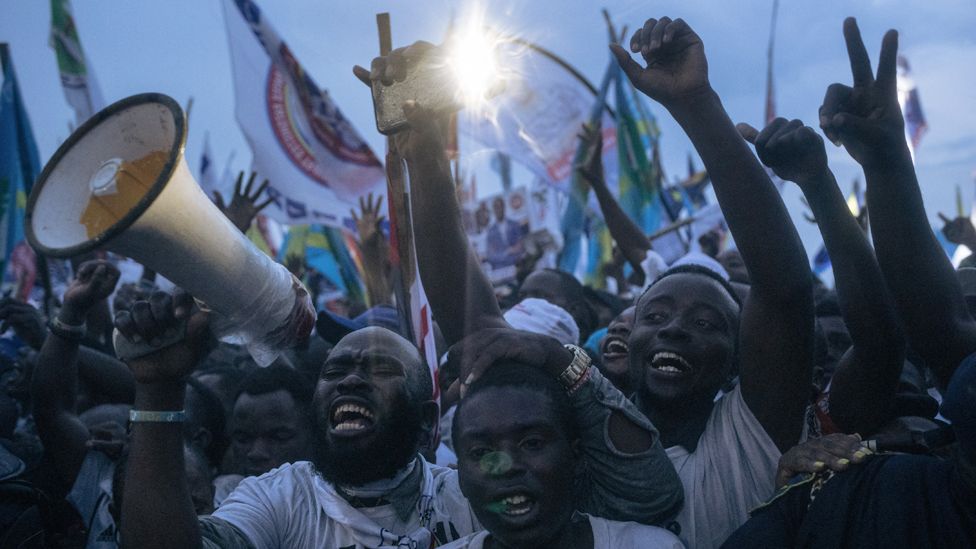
{"x": 392, "y": 447}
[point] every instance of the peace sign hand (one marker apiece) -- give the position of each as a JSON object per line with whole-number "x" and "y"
{"x": 866, "y": 118}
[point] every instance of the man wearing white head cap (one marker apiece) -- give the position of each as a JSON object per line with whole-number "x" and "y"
{"x": 541, "y": 317}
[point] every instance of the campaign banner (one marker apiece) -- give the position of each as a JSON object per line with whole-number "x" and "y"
{"x": 505, "y": 228}
{"x": 317, "y": 163}
{"x": 537, "y": 116}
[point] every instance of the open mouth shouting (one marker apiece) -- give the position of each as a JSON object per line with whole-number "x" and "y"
{"x": 614, "y": 347}
{"x": 670, "y": 364}
{"x": 513, "y": 506}
{"x": 350, "y": 418}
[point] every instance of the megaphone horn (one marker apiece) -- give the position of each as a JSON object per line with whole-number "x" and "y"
{"x": 121, "y": 183}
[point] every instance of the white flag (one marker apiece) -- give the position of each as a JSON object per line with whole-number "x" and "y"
{"x": 317, "y": 163}
{"x": 538, "y": 115}
{"x": 80, "y": 87}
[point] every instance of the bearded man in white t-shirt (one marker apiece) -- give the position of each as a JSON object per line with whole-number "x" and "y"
{"x": 367, "y": 485}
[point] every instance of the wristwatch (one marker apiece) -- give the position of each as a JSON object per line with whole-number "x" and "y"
{"x": 576, "y": 369}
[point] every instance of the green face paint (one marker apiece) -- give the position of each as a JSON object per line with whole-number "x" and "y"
{"x": 495, "y": 463}
{"x": 496, "y": 507}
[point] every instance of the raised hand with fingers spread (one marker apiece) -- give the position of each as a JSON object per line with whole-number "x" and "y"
{"x": 375, "y": 249}
{"x": 244, "y": 205}
{"x": 865, "y": 118}
{"x": 369, "y": 219}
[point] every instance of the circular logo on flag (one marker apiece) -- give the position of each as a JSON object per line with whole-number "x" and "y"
{"x": 309, "y": 127}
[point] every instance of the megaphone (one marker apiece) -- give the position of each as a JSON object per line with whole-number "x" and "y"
{"x": 121, "y": 183}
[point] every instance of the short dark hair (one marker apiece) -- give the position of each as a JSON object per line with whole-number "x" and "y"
{"x": 279, "y": 377}
{"x": 575, "y": 292}
{"x": 210, "y": 415}
{"x": 520, "y": 376}
{"x": 691, "y": 268}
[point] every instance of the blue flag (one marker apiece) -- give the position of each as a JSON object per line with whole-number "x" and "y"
{"x": 19, "y": 163}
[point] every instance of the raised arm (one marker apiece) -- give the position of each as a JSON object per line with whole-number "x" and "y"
{"x": 631, "y": 240}
{"x": 868, "y": 122}
{"x": 54, "y": 386}
{"x": 460, "y": 295}
{"x": 243, "y": 206}
{"x": 105, "y": 374}
{"x": 375, "y": 250}
{"x": 867, "y": 376}
{"x": 776, "y": 324}
{"x": 157, "y": 510}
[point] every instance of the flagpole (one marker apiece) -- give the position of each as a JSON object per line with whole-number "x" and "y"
{"x": 401, "y": 246}
{"x": 770, "y": 111}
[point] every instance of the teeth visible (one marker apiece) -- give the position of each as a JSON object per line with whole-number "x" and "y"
{"x": 350, "y": 426}
{"x": 351, "y": 408}
{"x": 518, "y": 504}
{"x": 671, "y": 357}
{"x": 616, "y": 347}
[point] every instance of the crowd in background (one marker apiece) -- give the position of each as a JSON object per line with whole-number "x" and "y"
{"x": 726, "y": 399}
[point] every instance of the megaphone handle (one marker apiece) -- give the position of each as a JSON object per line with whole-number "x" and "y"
{"x": 128, "y": 350}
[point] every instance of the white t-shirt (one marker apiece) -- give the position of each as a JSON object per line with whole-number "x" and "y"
{"x": 732, "y": 471}
{"x": 91, "y": 495}
{"x": 293, "y": 506}
{"x": 607, "y": 534}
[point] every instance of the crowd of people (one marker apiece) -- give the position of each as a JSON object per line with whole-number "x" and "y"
{"x": 732, "y": 400}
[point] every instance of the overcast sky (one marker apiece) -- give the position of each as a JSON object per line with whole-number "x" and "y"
{"x": 179, "y": 47}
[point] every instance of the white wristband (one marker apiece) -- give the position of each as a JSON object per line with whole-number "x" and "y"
{"x": 151, "y": 416}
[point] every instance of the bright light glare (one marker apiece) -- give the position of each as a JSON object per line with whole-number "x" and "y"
{"x": 473, "y": 58}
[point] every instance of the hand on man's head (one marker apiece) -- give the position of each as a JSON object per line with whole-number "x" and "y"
{"x": 478, "y": 352}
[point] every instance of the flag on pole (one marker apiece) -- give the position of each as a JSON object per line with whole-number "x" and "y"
{"x": 318, "y": 164}
{"x": 769, "y": 111}
{"x": 19, "y": 167}
{"x": 324, "y": 249}
{"x": 639, "y": 185}
{"x": 911, "y": 106}
{"x": 574, "y": 214}
{"x": 80, "y": 87}
{"x": 536, "y": 118}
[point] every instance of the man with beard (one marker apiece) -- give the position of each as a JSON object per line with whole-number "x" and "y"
{"x": 366, "y": 486}
{"x": 690, "y": 335}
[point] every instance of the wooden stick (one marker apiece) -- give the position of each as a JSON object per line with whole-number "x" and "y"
{"x": 671, "y": 228}
{"x": 386, "y": 36}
